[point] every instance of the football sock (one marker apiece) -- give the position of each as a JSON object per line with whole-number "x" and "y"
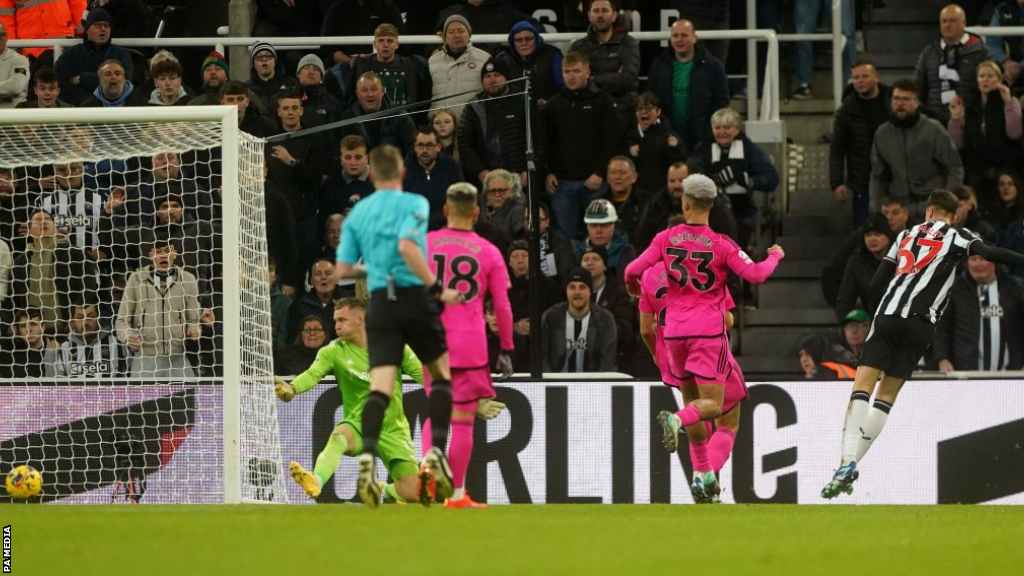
{"x": 440, "y": 412}
{"x": 461, "y": 449}
{"x": 853, "y": 426}
{"x": 458, "y": 493}
{"x": 428, "y": 441}
{"x": 391, "y": 493}
{"x": 699, "y": 456}
{"x": 373, "y": 419}
{"x": 327, "y": 461}
{"x": 688, "y": 416}
{"x": 720, "y": 447}
{"x": 875, "y": 422}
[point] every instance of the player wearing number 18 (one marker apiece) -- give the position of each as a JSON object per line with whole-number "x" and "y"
{"x": 698, "y": 261}
{"x": 916, "y": 277}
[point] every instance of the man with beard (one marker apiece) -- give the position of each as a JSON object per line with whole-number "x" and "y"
{"x": 115, "y": 90}
{"x": 578, "y": 336}
{"x": 78, "y": 65}
{"x": 909, "y": 136}
{"x": 613, "y": 54}
{"x": 429, "y": 172}
{"x": 90, "y": 351}
{"x": 370, "y": 98}
{"x": 215, "y": 71}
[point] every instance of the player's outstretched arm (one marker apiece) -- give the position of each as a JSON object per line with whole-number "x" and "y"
{"x": 283, "y": 389}
{"x": 756, "y": 273}
{"x": 996, "y": 254}
{"x": 636, "y": 268}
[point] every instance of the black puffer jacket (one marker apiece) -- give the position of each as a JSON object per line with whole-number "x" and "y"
{"x": 583, "y": 132}
{"x": 614, "y": 65}
{"x": 853, "y": 291}
{"x": 972, "y": 53}
{"x": 492, "y": 135}
{"x": 959, "y": 330}
{"x": 850, "y": 152}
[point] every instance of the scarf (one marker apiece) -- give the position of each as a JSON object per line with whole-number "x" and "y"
{"x": 948, "y": 73}
{"x": 731, "y": 158}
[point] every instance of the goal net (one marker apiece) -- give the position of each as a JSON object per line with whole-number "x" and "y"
{"x": 136, "y": 349}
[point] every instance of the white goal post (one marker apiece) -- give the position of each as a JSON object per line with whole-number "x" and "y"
{"x": 249, "y": 461}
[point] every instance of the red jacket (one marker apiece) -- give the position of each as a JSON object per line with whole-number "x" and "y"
{"x": 42, "y": 19}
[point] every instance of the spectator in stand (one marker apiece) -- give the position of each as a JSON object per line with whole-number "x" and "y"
{"x": 166, "y": 75}
{"x": 519, "y": 297}
{"x": 33, "y": 21}
{"x": 625, "y": 196}
{"x": 50, "y": 273}
{"x": 894, "y": 210}
{"x": 354, "y": 18}
{"x": 115, "y": 90}
{"x": 76, "y": 211}
{"x": 527, "y": 55}
{"x": 318, "y": 300}
{"x": 556, "y": 257}
{"x": 493, "y": 128}
{"x": 583, "y": 133}
{"x": 578, "y": 336}
{"x": 863, "y": 110}
{"x": 318, "y": 107}
{"x": 447, "y": 127}
{"x": 15, "y": 203}
{"x": 78, "y": 65}
{"x": 454, "y": 69}
{"x": 250, "y": 120}
{"x": 947, "y": 67}
{"x": 690, "y": 83}
{"x": 806, "y": 15}
{"x": 1008, "y": 51}
{"x": 969, "y": 216}
{"x": 982, "y": 327}
{"x": 429, "y": 172}
{"x": 340, "y": 192}
{"x": 504, "y": 202}
{"x": 133, "y": 206}
{"x": 855, "y": 326}
{"x": 299, "y": 356}
{"x": 668, "y": 201}
{"x": 90, "y": 351}
{"x": 613, "y": 55}
{"x": 32, "y": 353}
{"x": 601, "y": 222}
{"x": 854, "y": 290}
{"x": 195, "y": 241}
{"x": 707, "y": 15}
{"x": 14, "y": 74}
{"x": 268, "y": 78}
{"x": 280, "y": 307}
{"x": 159, "y": 312}
{"x": 652, "y": 144}
{"x": 739, "y": 168}
{"x": 910, "y": 136}
{"x": 404, "y": 80}
{"x": 824, "y": 360}
{"x": 987, "y": 133}
{"x": 328, "y": 251}
{"x": 485, "y": 16}
{"x": 370, "y": 98}
{"x": 128, "y": 18}
{"x": 282, "y": 238}
{"x": 297, "y": 166}
{"x": 46, "y": 89}
{"x": 215, "y": 76}
{"x": 1007, "y": 208}
{"x": 609, "y": 293}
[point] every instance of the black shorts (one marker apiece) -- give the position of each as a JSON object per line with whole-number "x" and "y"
{"x": 896, "y": 345}
{"x": 413, "y": 319}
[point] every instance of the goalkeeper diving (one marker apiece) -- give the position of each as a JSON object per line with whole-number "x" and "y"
{"x": 347, "y": 358}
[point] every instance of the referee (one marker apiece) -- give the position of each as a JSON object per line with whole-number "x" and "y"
{"x": 388, "y": 231}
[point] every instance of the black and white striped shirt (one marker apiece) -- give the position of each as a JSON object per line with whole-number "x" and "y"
{"x": 576, "y": 342}
{"x": 77, "y": 212}
{"x": 992, "y": 351}
{"x": 103, "y": 357}
{"x": 926, "y": 257}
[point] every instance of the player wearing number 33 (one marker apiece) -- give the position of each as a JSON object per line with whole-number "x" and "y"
{"x": 697, "y": 342}
{"x": 465, "y": 262}
{"x": 915, "y": 276}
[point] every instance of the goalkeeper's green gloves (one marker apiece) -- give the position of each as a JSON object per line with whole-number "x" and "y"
{"x": 488, "y": 409}
{"x": 284, "y": 390}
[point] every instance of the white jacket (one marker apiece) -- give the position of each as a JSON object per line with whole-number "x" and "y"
{"x": 13, "y": 78}
{"x": 457, "y": 75}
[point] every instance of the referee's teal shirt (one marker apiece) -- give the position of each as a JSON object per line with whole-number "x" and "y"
{"x": 372, "y": 231}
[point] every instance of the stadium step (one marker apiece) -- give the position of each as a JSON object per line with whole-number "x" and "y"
{"x": 775, "y": 340}
{"x": 799, "y": 269}
{"x": 791, "y": 294}
{"x": 816, "y": 225}
{"x": 815, "y": 203}
{"x": 789, "y": 317}
{"x": 809, "y": 247}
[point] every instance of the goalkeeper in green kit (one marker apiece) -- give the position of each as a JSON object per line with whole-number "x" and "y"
{"x": 347, "y": 358}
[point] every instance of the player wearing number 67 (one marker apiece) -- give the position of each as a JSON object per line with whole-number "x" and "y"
{"x": 698, "y": 261}
{"x": 467, "y": 263}
{"x": 912, "y": 283}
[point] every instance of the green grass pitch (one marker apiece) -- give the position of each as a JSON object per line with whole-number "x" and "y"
{"x": 590, "y": 540}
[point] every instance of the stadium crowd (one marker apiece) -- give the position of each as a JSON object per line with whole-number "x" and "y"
{"x": 111, "y": 268}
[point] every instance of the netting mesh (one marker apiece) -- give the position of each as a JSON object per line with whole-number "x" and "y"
{"x": 115, "y": 311}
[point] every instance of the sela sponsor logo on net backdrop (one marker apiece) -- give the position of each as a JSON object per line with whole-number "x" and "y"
{"x": 597, "y": 442}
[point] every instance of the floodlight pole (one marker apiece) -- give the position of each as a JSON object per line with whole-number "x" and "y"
{"x": 533, "y": 237}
